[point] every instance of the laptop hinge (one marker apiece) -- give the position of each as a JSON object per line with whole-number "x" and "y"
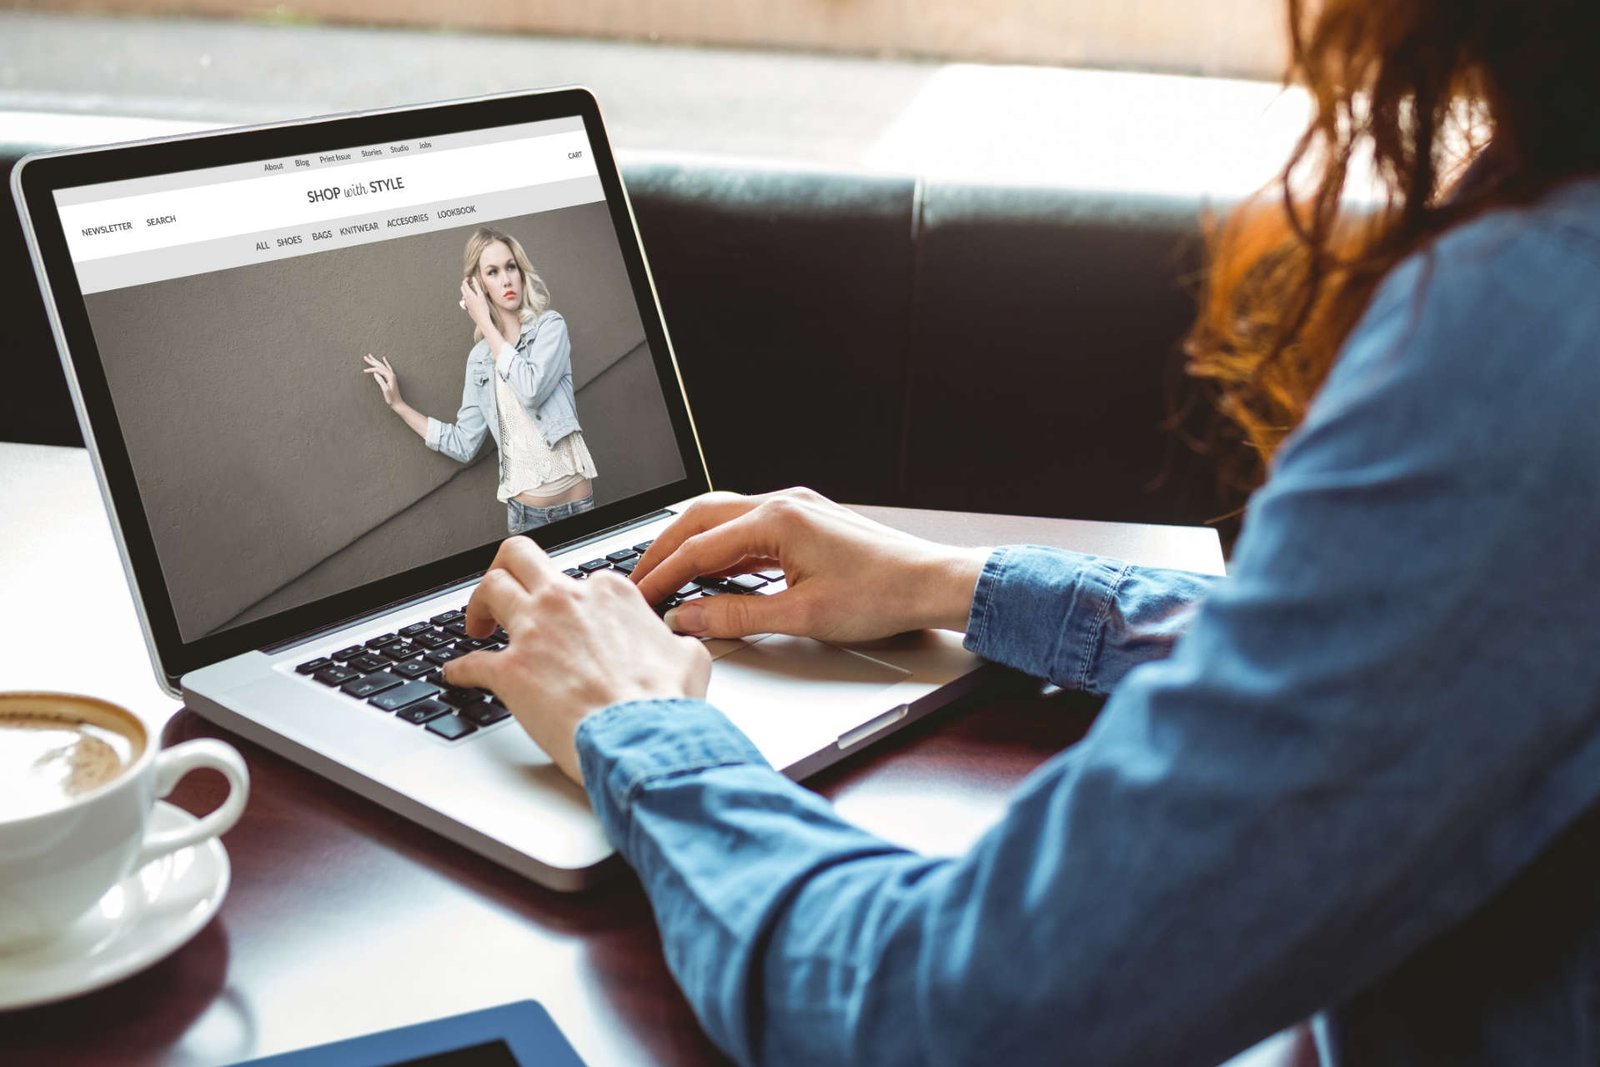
{"x": 601, "y": 535}
{"x": 384, "y": 609}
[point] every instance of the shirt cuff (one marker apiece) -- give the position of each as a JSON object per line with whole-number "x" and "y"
{"x": 625, "y": 747}
{"x": 435, "y": 433}
{"x": 1041, "y": 610}
{"x": 502, "y": 361}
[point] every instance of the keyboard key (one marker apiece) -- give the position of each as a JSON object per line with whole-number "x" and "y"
{"x": 688, "y": 589}
{"x": 451, "y": 728}
{"x": 461, "y": 698}
{"x": 415, "y": 628}
{"x": 335, "y": 675}
{"x": 371, "y": 685}
{"x": 459, "y": 627}
{"x": 383, "y": 640}
{"x": 573, "y": 572}
{"x": 626, "y": 566}
{"x": 430, "y": 640}
{"x": 348, "y": 653}
{"x": 412, "y": 668}
{"x": 371, "y": 661}
{"x": 404, "y": 650}
{"x": 746, "y": 583}
{"x": 423, "y": 711}
{"x": 621, "y": 554}
{"x": 398, "y": 697}
{"x": 441, "y": 656}
{"x": 449, "y": 616}
{"x": 666, "y": 605}
{"x": 773, "y": 575}
{"x": 484, "y": 713}
{"x": 312, "y": 666}
{"x": 642, "y": 545}
{"x": 594, "y": 565}
{"x": 472, "y": 644}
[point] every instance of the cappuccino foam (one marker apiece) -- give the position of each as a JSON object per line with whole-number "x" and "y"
{"x": 49, "y": 756}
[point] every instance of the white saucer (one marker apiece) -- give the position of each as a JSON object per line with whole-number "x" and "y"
{"x": 140, "y": 921}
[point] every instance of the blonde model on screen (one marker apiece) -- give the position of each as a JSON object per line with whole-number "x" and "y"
{"x": 518, "y": 388}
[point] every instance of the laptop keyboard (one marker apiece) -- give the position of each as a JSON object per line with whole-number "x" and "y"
{"x": 398, "y": 673}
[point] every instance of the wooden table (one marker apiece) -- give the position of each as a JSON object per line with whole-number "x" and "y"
{"x": 344, "y": 918}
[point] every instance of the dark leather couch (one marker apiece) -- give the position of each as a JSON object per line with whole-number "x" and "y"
{"x": 885, "y": 340}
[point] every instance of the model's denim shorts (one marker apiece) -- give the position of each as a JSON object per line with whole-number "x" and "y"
{"x": 521, "y": 517}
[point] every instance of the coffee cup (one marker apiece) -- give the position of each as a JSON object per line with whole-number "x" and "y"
{"x": 79, "y": 778}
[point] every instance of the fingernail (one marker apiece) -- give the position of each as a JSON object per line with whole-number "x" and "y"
{"x": 688, "y": 619}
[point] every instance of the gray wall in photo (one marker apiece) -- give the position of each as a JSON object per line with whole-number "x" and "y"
{"x": 271, "y": 471}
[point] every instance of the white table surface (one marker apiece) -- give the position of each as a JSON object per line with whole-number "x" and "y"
{"x": 67, "y": 620}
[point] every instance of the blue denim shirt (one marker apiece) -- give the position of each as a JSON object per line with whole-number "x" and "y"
{"x": 1352, "y": 777}
{"x": 538, "y": 369}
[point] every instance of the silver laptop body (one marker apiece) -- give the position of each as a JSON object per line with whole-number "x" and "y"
{"x": 271, "y": 512}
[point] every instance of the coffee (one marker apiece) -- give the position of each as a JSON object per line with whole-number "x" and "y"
{"x": 54, "y": 749}
{"x": 79, "y": 783}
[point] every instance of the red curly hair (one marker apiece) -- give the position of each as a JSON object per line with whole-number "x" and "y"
{"x": 1463, "y": 107}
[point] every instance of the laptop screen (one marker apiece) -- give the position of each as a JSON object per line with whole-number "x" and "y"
{"x": 306, "y": 403}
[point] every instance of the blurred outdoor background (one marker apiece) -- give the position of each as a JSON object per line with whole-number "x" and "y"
{"x": 1222, "y": 37}
{"x": 1096, "y": 93}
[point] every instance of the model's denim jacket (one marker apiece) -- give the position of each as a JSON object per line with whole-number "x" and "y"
{"x": 539, "y": 371}
{"x": 1358, "y": 775}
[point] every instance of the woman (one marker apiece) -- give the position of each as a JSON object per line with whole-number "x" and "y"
{"x": 1358, "y": 776}
{"x": 518, "y": 387}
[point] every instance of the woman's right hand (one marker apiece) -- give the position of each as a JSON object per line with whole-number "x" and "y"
{"x": 388, "y": 381}
{"x": 850, "y": 579}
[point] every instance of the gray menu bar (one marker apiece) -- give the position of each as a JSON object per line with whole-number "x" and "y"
{"x": 243, "y": 250}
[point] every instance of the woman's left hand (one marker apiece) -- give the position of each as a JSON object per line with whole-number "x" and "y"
{"x": 476, "y": 306}
{"x": 576, "y": 647}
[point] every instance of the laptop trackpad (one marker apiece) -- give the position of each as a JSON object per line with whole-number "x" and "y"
{"x": 793, "y": 696}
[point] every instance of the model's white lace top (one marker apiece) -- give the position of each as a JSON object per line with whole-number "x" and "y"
{"x": 527, "y": 464}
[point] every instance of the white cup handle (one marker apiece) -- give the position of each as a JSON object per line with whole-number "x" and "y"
{"x": 178, "y": 761}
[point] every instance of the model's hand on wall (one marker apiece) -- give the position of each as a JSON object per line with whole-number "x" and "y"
{"x": 388, "y": 380}
{"x": 850, "y": 579}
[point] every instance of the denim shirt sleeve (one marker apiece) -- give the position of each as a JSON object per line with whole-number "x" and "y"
{"x": 1080, "y": 621}
{"x": 534, "y": 369}
{"x": 461, "y": 439}
{"x": 1382, "y": 714}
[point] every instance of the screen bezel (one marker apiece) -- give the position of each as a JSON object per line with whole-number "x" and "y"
{"x": 37, "y": 178}
{"x": 525, "y": 1027}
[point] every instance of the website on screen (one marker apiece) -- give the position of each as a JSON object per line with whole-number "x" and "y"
{"x": 333, "y": 367}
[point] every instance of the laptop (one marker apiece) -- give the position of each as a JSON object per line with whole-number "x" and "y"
{"x": 300, "y": 554}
